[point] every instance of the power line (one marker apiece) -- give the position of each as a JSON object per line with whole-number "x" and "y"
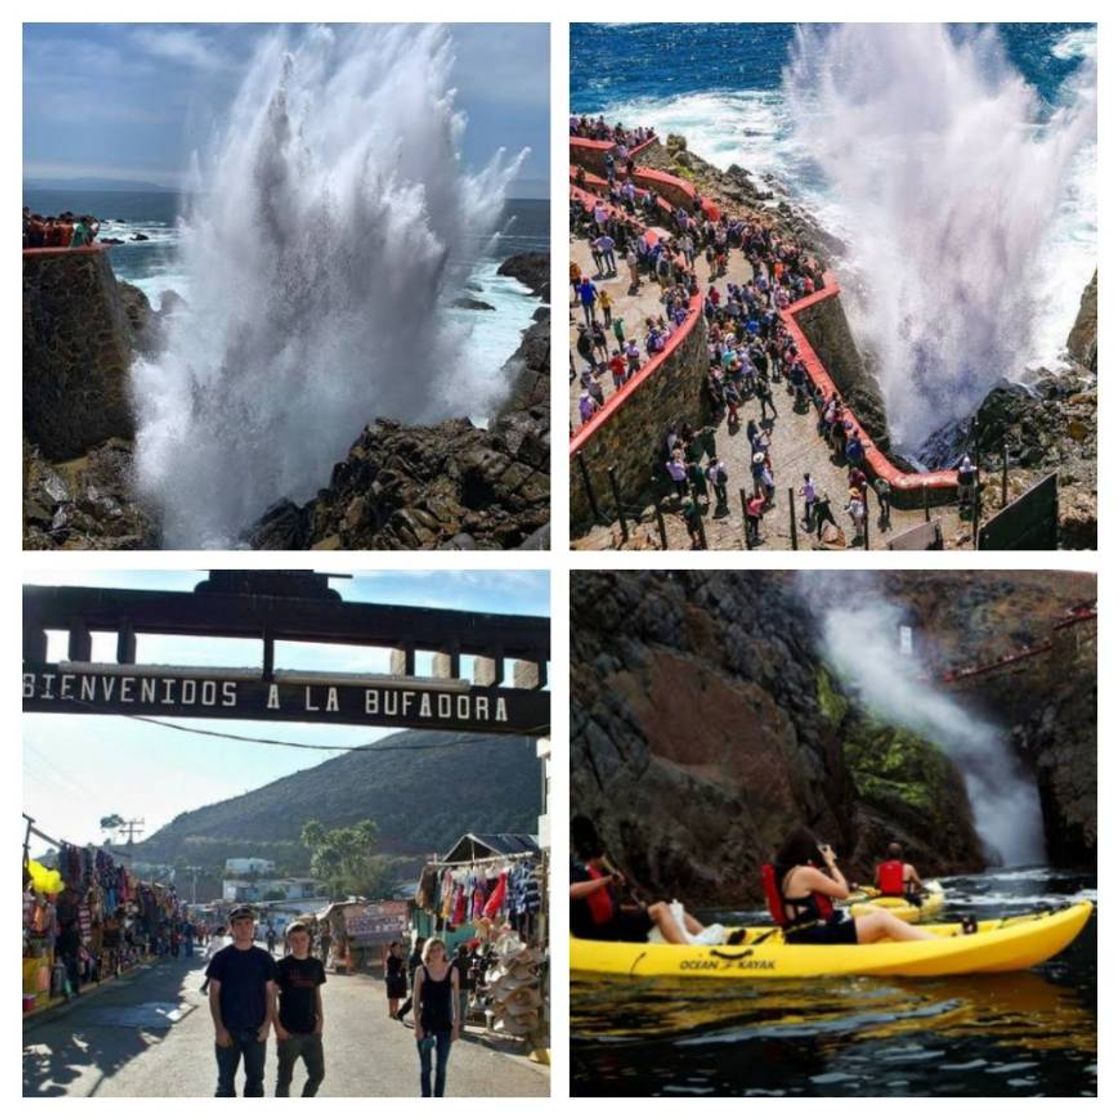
{"x": 374, "y": 747}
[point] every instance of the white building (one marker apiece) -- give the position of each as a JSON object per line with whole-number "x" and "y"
{"x": 249, "y": 866}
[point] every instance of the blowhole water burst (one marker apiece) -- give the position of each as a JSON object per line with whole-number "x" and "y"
{"x": 332, "y": 223}
{"x": 860, "y": 632}
{"x": 952, "y": 183}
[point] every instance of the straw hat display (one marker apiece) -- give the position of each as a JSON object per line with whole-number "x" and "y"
{"x": 514, "y": 984}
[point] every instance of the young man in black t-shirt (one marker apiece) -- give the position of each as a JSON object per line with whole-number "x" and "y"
{"x": 299, "y": 1016}
{"x": 242, "y": 1004}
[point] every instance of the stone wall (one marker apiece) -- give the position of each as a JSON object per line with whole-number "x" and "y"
{"x": 76, "y": 353}
{"x": 826, "y": 327}
{"x": 629, "y": 433}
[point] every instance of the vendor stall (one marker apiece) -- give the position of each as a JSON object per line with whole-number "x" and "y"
{"x": 489, "y": 892}
{"x": 86, "y": 920}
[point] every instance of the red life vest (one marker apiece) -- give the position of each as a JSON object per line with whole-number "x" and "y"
{"x": 600, "y": 903}
{"x": 890, "y": 877}
{"x": 776, "y": 901}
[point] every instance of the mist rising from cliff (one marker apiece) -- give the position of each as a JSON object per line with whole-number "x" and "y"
{"x": 332, "y": 220}
{"x": 962, "y": 198}
{"x": 860, "y": 630}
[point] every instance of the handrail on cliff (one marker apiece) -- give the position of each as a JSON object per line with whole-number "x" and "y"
{"x": 1081, "y": 615}
{"x": 876, "y": 461}
{"x": 45, "y": 250}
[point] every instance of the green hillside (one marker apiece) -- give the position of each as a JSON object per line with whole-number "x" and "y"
{"x": 422, "y": 800}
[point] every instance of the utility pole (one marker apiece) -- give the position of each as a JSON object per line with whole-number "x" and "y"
{"x": 130, "y": 827}
{"x": 194, "y": 883}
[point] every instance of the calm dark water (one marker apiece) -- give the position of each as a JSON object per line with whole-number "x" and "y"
{"x": 1014, "y": 1034}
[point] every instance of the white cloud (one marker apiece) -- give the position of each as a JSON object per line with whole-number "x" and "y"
{"x": 185, "y": 46}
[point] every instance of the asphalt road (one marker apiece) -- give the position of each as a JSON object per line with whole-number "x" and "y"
{"x": 150, "y": 1035}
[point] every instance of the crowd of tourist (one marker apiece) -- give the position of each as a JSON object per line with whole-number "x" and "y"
{"x": 64, "y": 231}
{"x": 750, "y": 351}
{"x": 598, "y": 129}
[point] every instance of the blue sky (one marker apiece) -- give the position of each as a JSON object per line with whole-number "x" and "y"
{"x": 77, "y": 769}
{"x": 126, "y": 101}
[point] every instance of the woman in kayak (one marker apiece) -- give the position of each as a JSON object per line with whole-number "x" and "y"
{"x": 803, "y": 891}
{"x": 595, "y": 910}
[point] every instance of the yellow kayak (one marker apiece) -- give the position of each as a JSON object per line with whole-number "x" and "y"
{"x": 999, "y": 945}
{"x": 932, "y": 903}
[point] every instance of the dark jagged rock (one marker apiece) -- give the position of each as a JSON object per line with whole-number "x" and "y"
{"x": 531, "y": 269}
{"x": 1082, "y": 340}
{"x": 528, "y": 370}
{"x": 472, "y": 304}
{"x": 1059, "y": 743}
{"x": 86, "y": 503}
{"x": 139, "y": 237}
{"x": 448, "y": 485}
{"x": 77, "y": 346}
{"x": 1048, "y": 425}
{"x": 283, "y": 526}
{"x": 704, "y": 727}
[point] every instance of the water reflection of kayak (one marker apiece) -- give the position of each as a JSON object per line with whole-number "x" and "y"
{"x": 999, "y": 945}
{"x": 1025, "y": 1006}
{"x": 931, "y": 903}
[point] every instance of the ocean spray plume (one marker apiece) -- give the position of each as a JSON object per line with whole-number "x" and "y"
{"x": 333, "y": 221}
{"x": 860, "y": 634}
{"x": 950, "y": 181}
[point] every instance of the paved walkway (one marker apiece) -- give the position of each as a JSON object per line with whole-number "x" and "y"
{"x": 150, "y": 1035}
{"x": 795, "y": 446}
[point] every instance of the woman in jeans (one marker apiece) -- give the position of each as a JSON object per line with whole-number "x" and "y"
{"x": 435, "y": 1000}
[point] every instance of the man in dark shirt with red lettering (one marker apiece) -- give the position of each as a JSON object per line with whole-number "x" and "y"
{"x": 242, "y": 1004}
{"x": 299, "y": 1016}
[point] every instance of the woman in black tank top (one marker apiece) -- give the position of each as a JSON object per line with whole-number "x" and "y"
{"x": 435, "y": 998}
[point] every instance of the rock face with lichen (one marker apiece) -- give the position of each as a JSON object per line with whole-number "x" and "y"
{"x": 704, "y": 726}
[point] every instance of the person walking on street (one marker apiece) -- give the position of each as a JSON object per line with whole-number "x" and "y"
{"x": 808, "y": 492}
{"x": 270, "y": 939}
{"x": 822, "y": 511}
{"x": 242, "y": 1004}
{"x": 415, "y": 959}
{"x": 218, "y": 940}
{"x": 883, "y": 493}
{"x": 298, "y": 1016}
{"x": 325, "y": 943}
{"x": 462, "y": 965}
{"x": 396, "y": 982}
{"x": 435, "y": 993}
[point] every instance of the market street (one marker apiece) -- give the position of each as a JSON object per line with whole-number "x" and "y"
{"x": 150, "y": 1035}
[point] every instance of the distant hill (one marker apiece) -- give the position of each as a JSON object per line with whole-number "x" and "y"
{"x": 422, "y": 798}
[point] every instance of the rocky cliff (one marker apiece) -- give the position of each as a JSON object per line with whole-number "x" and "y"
{"x": 445, "y": 486}
{"x": 449, "y": 485}
{"x": 704, "y": 726}
{"x": 77, "y": 346}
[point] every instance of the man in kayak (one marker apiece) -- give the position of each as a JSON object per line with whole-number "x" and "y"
{"x": 595, "y": 911}
{"x": 897, "y": 878}
{"x": 801, "y": 887}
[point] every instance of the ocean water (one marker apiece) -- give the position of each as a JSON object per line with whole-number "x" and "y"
{"x": 1013, "y": 1034}
{"x": 155, "y": 266}
{"x": 331, "y": 222}
{"x": 960, "y": 169}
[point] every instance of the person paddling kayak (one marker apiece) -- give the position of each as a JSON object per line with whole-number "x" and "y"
{"x": 595, "y": 910}
{"x": 801, "y": 898}
{"x": 896, "y": 878}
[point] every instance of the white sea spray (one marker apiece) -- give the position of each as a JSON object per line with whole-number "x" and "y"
{"x": 331, "y": 222}
{"x": 968, "y": 204}
{"x": 860, "y": 628}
